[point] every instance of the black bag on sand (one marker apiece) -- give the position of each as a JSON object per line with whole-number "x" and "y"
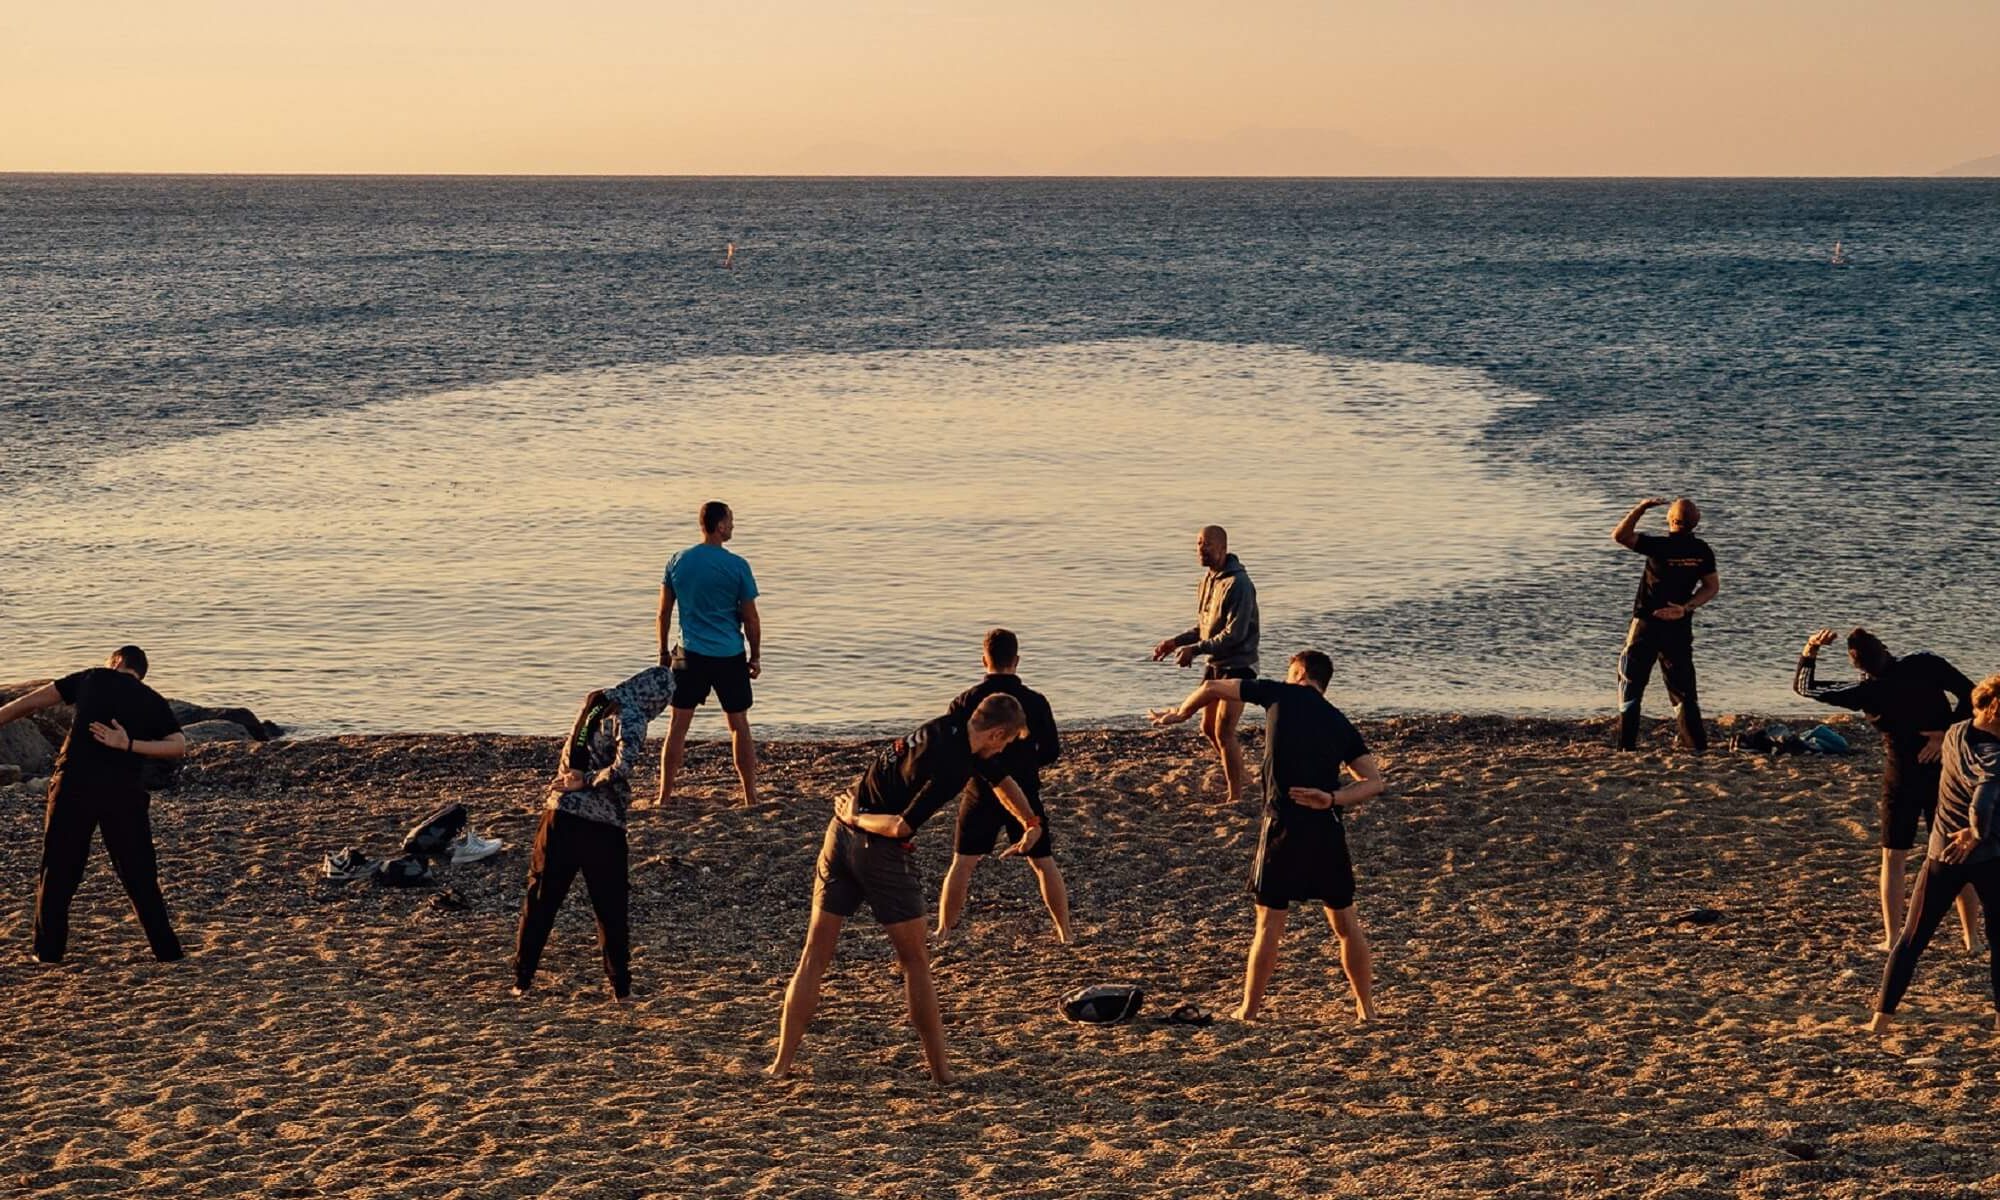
{"x": 406, "y": 872}
{"x": 432, "y": 836}
{"x": 1104, "y": 1004}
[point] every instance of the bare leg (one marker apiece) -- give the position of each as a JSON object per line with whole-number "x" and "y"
{"x": 1355, "y": 960}
{"x": 951, "y": 900}
{"x": 743, "y": 749}
{"x": 671, "y": 752}
{"x": 1211, "y": 718}
{"x": 908, "y": 939}
{"x": 1263, "y": 960}
{"x": 1233, "y": 769}
{"x": 1054, "y": 894}
{"x": 1893, "y": 910}
{"x": 802, "y": 997}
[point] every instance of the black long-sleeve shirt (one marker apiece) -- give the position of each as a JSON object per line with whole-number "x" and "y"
{"x": 912, "y": 777}
{"x": 1917, "y": 694}
{"x": 1042, "y": 747}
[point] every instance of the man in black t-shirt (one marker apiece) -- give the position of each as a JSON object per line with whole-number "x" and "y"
{"x": 1679, "y": 578}
{"x": 1302, "y": 847}
{"x": 96, "y": 785}
{"x": 1911, "y": 700}
{"x": 981, "y": 817}
{"x": 868, "y": 856}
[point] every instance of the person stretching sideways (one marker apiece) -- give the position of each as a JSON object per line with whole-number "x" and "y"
{"x": 1679, "y": 578}
{"x": 96, "y": 786}
{"x": 981, "y": 817}
{"x": 868, "y": 856}
{"x": 1302, "y": 848}
{"x": 1911, "y": 700}
{"x": 1964, "y": 850}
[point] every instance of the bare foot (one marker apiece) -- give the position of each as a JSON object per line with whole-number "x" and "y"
{"x": 1886, "y": 945}
{"x": 624, "y": 1001}
{"x": 517, "y": 991}
{"x": 1880, "y": 1023}
{"x": 1243, "y": 1013}
{"x": 775, "y": 1071}
{"x": 942, "y": 1078}
{"x": 1365, "y": 1013}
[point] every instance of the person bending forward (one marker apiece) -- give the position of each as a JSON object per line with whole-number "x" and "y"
{"x": 868, "y": 856}
{"x": 1302, "y": 848}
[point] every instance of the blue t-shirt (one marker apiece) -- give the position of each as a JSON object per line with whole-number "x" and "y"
{"x": 710, "y": 585}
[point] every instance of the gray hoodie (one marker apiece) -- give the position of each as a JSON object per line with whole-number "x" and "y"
{"x": 609, "y": 736}
{"x": 1969, "y": 791}
{"x": 1226, "y": 622}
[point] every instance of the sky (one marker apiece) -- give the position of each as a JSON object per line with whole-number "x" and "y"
{"x": 1036, "y": 87}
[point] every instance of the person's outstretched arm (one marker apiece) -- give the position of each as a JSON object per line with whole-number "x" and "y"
{"x": 113, "y": 735}
{"x": 45, "y": 696}
{"x": 1825, "y": 691}
{"x": 1626, "y": 533}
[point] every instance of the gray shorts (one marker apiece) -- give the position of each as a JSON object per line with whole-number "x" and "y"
{"x": 856, "y": 866}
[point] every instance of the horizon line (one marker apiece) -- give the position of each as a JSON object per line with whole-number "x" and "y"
{"x": 967, "y": 176}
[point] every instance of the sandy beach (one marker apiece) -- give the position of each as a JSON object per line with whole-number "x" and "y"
{"x": 1547, "y": 1030}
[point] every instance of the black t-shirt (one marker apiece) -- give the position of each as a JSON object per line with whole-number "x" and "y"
{"x": 1306, "y": 742}
{"x": 1025, "y": 758}
{"x": 1675, "y": 567}
{"x": 102, "y": 694}
{"x": 1917, "y": 694}
{"x": 912, "y": 777}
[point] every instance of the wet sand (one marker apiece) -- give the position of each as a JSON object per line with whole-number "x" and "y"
{"x": 1546, "y": 1031}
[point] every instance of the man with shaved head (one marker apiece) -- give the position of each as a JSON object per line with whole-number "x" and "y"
{"x": 1225, "y": 630}
{"x": 1679, "y": 578}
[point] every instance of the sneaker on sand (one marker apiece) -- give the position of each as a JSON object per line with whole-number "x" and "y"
{"x": 348, "y": 864}
{"x": 472, "y": 848}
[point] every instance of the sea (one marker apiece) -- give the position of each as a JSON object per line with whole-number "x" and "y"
{"x": 410, "y": 454}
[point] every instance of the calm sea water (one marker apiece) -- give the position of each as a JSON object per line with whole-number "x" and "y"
{"x": 409, "y": 454}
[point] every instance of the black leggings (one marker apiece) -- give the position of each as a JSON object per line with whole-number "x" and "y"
{"x": 1939, "y": 885}
{"x": 123, "y": 816}
{"x": 565, "y": 845}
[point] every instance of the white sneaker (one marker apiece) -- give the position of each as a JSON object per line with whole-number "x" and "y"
{"x": 472, "y": 847}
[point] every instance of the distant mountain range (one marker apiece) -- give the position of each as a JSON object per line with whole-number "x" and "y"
{"x": 1978, "y": 168}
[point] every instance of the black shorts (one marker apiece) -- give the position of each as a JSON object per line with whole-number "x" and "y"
{"x": 983, "y": 821}
{"x": 1211, "y": 671}
{"x": 695, "y": 674}
{"x": 1306, "y": 860}
{"x": 1909, "y": 791}
{"x": 855, "y": 866}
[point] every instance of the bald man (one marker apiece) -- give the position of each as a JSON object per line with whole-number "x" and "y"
{"x": 1225, "y": 630}
{"x": 1680, "y": 577}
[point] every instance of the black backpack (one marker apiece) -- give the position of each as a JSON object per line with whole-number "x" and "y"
{"x": 1104, "y": 1004}
{"x": 431, "y": 837}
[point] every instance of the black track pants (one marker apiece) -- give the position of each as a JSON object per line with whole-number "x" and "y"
{"x": 565, "y": 845}
{"x": 124, "y": 815}
{"x": 1671, "y": 643}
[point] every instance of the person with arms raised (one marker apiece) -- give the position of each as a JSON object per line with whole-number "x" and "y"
{"x": 1680, "y": 577}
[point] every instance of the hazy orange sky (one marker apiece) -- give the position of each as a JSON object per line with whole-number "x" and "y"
{"x": 1501, "y": 87}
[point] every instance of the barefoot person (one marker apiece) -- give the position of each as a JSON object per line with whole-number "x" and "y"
{"x": 583, "y": 827}
{"x": 1302, "y": 850}
{"x": 96, "y": 786}
{"x": 1912, "y": 700}
{"x": 1225, "y": 630}
{"x": 868, "y": 856}
{"x": 982, "y": 819}
{"x": 1964, "y": 849}
{"x": 717, "y": 595}
{"x": 1679, "y": 578}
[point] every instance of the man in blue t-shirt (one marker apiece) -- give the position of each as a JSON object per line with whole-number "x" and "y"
{"x": 718, "y": 601}
{"x": 1302, "y": 847}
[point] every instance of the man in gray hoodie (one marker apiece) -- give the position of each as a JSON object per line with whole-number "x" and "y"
{"x": 1226, "y": 631}
{"x": 583, "y": 827}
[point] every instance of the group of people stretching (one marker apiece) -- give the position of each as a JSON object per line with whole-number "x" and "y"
{"x": 1941, "y": 737}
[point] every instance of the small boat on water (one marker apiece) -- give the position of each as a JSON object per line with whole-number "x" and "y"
{"x": 1839, "y": 258}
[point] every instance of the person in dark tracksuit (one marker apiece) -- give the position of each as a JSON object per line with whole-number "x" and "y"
{"x": 583, "y": 827}
{"x": 1912, "y": 700}
{"x": 97, "y": 786}
{"x": 1226, "y": 629}
{"x": 1964, "y": 850}
{"x": 1679, "y": 578}
{"x": 982, "y": 819}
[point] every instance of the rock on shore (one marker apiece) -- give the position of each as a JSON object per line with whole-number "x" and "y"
{"x": 30, "y": 745}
